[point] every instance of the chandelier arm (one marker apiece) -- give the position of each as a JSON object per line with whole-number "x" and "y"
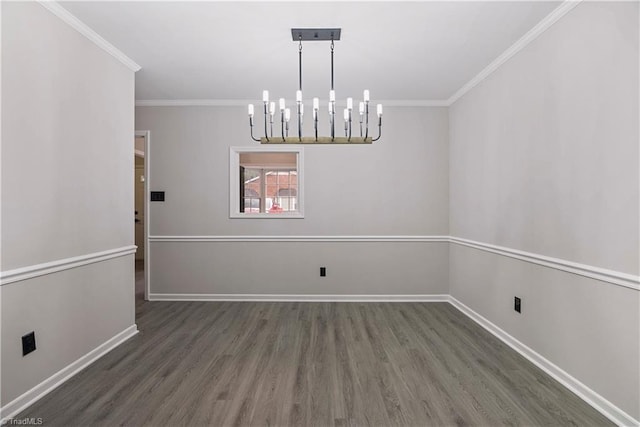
{"x": 379, "y": 129}
{"x": 265, "y": 122}
{"x": 366, "y": 109}
{"x": 251, "y": 127}
{"x": 349, "y": 126}
{"x": 282, "y": 123}
{"x": 333, "y": 125}
{"x": 315, "y": 126}
{"x": 299, "y": 123}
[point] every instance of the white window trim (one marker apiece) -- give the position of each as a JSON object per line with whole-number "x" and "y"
{"x": 234, "y": 182}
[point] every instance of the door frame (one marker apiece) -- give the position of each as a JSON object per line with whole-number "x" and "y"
{"x": 147, "y": 253}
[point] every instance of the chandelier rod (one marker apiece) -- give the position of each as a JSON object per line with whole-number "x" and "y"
{"x": 299, "y": 94}
{"x": 332, "y": 63}
{"x": 332, "y": 98}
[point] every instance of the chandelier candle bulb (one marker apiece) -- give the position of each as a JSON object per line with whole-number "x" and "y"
{"x": 346, "y": 114}
{"x": 287, "y": 114}
{"x": 282, "y": 104}
{"x": 250, "y": 110}
{"x": 302, "y": 109}
{"x": 332, "y": 96}
{"x": 298, "y": 96}
{"x": 361, "y": 109}
{"x": 379, "y": 110}
{"x": 265, "y": 96}
{"x": 350, "y": 104}
{"x": 365, "y": 95}
{"x": 316, "y": 104}
{"x": 272, "y": 108}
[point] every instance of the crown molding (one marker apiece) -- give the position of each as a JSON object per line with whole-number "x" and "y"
{"x": 66, "y": 16}
{"x": 414, "y": 102}
{"x": 244, "y": 102}
{"x": 55, "y": 8}
{"x": 524, "y": 41}
{"x": 194, "y": 102}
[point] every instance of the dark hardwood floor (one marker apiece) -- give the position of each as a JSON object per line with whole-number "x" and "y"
{"x": 325, "y": 364}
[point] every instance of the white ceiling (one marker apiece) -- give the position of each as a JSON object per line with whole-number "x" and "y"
{"x": 408, "y": 51}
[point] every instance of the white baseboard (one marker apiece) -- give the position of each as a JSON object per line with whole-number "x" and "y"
{"x": 18, "y": 404}
{"x": 298, "y": 298}
{"x": 598, "y": 402}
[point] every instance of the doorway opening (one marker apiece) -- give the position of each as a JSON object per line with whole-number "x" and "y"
{"x": 141, "y": 217}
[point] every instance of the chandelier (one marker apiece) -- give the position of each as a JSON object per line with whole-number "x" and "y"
{"x": 315, "y": 34}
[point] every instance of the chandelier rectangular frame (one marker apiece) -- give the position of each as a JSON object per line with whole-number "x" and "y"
{"x": 269, "y": 108}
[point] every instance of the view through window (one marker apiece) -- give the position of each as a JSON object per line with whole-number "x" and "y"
{"x": 268, "y": 182}
{"x": 268, "y": 190}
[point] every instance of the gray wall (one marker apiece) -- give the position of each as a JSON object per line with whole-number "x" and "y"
{"x": 397, "y": 186}
{"x": 67, "y": 173}
{"x": 544, "y": 159}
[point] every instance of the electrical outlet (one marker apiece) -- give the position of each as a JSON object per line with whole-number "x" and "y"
{"x": 323, "y": 271}
{"x": 28, "y": 343}
{"x": 517, "y": 304}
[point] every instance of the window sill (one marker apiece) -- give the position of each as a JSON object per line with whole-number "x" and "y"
{"x": 293, "y": 215}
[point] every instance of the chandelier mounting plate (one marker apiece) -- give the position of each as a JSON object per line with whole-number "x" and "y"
{"x": 315, "y": 34}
